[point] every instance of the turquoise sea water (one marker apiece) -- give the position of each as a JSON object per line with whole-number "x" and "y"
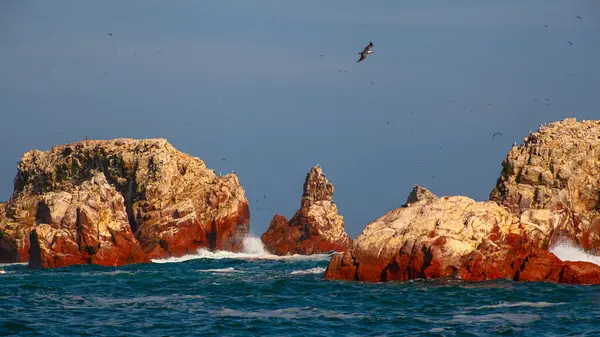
{"x": 226, "y": 294}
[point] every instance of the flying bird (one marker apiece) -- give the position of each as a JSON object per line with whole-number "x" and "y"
{"x": 546, "y": 26}
{"x": 579, "y": 17}
{"x": 497, "y": 133}
{"x": 223, "y": 159}
{"x": 569, "y": 42}
{"x": 365, "y": 52}
{"x": 321, "y": 54}
{"x": 110, "y": 34}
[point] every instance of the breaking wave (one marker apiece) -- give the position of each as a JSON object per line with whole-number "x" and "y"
{"x": 519, "y": 304}
{"x": 316, "y": 270}
{"x": 253, "y": 249}
{"x": 568, "y": 252}
{"x": 221, "y": 270}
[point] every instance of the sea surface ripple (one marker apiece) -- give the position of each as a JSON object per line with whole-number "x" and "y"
{"x": 226, "y": 294}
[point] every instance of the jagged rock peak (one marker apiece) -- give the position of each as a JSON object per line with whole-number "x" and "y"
{"x": 316, "y": 187}
{"x": 418, "y": 194}
{"x": 556, "y": 167}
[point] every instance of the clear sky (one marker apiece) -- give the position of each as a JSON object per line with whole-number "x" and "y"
{"x": 245, "y": 80}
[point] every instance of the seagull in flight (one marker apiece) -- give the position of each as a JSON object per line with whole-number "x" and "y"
{"x": 579, "y": 17}
{"x": 365, "y": 52}
{"x": 497, "y": 133}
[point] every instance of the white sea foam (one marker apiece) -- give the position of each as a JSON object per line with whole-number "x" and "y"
{"x": 252, "y": 250}
{"x": 286, "y": 313}
{"x": 516, "y": 319}
{"x": 221, "y": 270}
{"x": 316, "y": 270}
{"x": 567, "y": 252}
{"x": 107, "y": 273}
{"x": 253, "y": 245}
{"x": 2, "y": 271}
{"x": 13, "y": 264}
{"x": 519, "y": 304}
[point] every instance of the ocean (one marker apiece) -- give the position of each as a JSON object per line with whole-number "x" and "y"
{"x": 257, "y": 294}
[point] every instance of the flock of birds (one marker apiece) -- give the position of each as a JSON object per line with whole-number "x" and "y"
{"x": 368, "y": 50}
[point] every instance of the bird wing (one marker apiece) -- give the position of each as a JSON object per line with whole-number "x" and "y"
{"x": 367, "y": 48}
{"x": 362, "y": 57}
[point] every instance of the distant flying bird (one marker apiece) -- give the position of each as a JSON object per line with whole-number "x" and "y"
{"x": 110, "y": 34}
{"x": 223, "y": 159}
{"x": 579, "y": 17}
{"x": 365, "y": 52}
{"x": 321, "y": 54}
{"x": 546, "y": 26}
{"x": 569, "y": 42}
{"x": 265, "y": 196}
{"x": 497, "y": 133}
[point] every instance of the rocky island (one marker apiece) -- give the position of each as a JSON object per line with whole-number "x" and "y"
{"x": 117, "y": 202}
{"x": 548, "y": 192}
{"x": 315, "y": 228}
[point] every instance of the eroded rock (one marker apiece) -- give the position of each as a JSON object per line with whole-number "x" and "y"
{"x": 173, "y": 204}
{"x": 315, "y": 228}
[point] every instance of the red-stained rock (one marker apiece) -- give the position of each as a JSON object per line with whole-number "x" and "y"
{"x": 557, "y": 168}
{"x": 86, "y": 225}
{"x": 315, "y": 228}
{"x": 580, "y": 273}
{"x": 457, "y": 237}
{"x": 548, "y": 193}
{"x": 170, "y": 204}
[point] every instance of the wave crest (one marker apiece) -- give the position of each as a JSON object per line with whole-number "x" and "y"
{"x": 253, "y": 249}
{"x": 568, "y": 252}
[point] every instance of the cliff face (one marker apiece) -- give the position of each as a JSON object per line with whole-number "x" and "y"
{"x": 315, "y": 228}
{"x": 134, "y": 194}
{"x": 557, "y": 168}
{"x": 548, "y": 192}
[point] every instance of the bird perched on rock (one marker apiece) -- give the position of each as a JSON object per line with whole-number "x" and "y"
{"x": 365, "y": 52}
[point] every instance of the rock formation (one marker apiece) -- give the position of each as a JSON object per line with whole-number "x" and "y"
{"x": 548, "y": 192}
{"x": 315, "y": 228}
{"x": 557, "y": 168}
{"x": 117, "y": 202}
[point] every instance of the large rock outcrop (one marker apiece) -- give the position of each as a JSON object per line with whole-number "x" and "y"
{"x": 117, "y": 202}
{"x": 315, "y": 228}
{"x": 548, "y": 192}
{"x": 557, "y": 168}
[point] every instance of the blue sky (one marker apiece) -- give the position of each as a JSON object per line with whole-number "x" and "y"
{"x": 245, "y": 81}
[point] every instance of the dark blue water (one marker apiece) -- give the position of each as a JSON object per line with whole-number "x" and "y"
{"x": 234, "y": 295}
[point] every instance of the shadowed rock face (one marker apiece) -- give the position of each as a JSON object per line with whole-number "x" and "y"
{"x": 315, "y": 228}
{"x": 117, "y": 202}
{"x": 548, "y": 192}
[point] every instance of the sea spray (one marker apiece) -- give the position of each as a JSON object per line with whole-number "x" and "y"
{"x": 253, "y": 245}
{"x": 253, "y": 249}
{"x": 566, "y": 251}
